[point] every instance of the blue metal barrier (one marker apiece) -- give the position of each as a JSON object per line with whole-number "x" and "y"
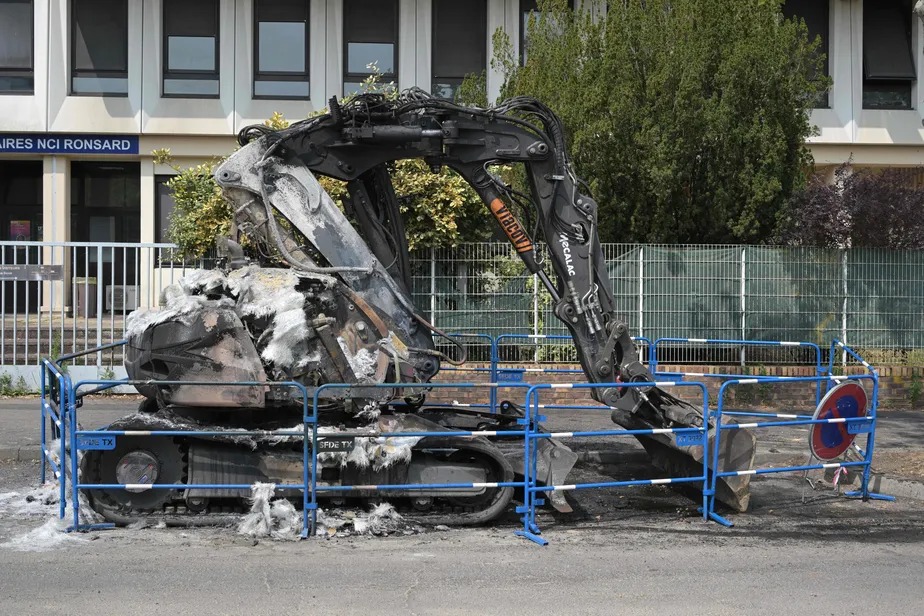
{"x": 56, "y": 411}
{"x": 500, "y": 374}
{"x": 448, "y": 433}
{"x": 653, "y": 358}
{"x": 309, "y": 498}
{"x": 490, "y": 372}
{"x": 690, "y": 436}
{"x": 866, "y": 423}
{"x": 61, "y": 408}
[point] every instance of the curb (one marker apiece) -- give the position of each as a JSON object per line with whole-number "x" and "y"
{"x": 21, "y": 454}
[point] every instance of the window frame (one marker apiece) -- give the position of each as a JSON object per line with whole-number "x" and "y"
{"x": 258, "y": 75}
{"x": 76, "y": 73}
{"x": 349, "y": 77}
{"x": 451, "y": 80}
{"x": 522, "y": 25}
{"x": 28, "y": 73}
{"x": 906, "y": 84}
{"x": 184, "y": 74}
{"x": 824, "y": 99}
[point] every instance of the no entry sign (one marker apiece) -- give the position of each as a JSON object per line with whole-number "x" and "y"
{"x": 844, "y": 401}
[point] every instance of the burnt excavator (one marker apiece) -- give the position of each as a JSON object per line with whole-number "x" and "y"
{"x": 327, "y": 299}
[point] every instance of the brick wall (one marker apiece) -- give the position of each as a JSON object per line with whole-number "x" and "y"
{"x": 899, "y": 386}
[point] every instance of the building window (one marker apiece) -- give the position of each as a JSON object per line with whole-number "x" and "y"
{"x": 280, "y": 49}
{"x": 888, "y": 63}
{"x": 370, "y": 36}
{"x": 191, "y": 48}
{"x": 460, "y": 43}
{"x": 815, "y": 15}
{"x": 528, "y": 9}
{"x": 99, "y": 47}
{"x": 16, "y": 36}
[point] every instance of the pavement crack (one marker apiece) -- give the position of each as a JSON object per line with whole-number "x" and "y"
{"x": 410, "y": 589}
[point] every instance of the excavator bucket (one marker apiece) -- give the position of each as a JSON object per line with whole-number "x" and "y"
{"x": 736, "y": 453}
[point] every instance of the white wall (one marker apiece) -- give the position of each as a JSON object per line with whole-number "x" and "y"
{"x": 28, "y": 113}
{"x": 844, "y": 129}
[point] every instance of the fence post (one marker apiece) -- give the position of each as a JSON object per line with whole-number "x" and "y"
{"x": 641, "y": 291}
{"x": 100, "y": 255}
{"x": 536, "y": 317}
{"x": 743, "y": 301}
{"x": 433, "y": 286}
{"x": 844, "y": 306}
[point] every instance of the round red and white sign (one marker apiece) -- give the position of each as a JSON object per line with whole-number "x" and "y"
{"x": 830, "y": 440}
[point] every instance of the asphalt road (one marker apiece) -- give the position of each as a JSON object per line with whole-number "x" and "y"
{"x": 646, "y": 556}
{"x": 629, "y": 551}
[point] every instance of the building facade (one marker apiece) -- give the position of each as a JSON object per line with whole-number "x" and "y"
{"x": 89, "y": 88}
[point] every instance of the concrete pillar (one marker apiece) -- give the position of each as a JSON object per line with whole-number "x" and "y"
{"x": 56, "y": 226}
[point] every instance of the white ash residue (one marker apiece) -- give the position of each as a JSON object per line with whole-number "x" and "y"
{"x": 381, "y": 520}
{"x": 370, "y": 411}
{"x": 263, "y": 292}
{"x": 202, "y": 281}
{"x": 276, "y": 519}
{"x": 38, "y": 503}
{"x": 50, "y": 535}
{"x": 252, "y": 291}
{"x": 379, "y": 452}
{"x": 363, "y": 362}
{"x": 177, "y": 303}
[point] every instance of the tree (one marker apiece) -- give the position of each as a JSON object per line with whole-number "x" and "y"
{"x": 688, "y": 118}
{"x": 864, "y": 208}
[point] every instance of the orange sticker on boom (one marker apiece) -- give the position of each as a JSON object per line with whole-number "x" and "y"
{"x": 511, "y": 226}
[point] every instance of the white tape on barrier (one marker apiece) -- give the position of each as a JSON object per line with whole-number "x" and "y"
{"x": 665, "y": 383}
{"x": 484, "y": 485}
{"x": 139, "y": 486}
{"x": 660, "y": 481}
{"x": 562, "y": 434}
{"x": 563, "y": 488}
{"x": 753, "y": 471}
{"x": 562, "y": 385}
{"x": 790, "y": 344}
{"x": 137, "y": 433}
{"x": 748, "y": 381}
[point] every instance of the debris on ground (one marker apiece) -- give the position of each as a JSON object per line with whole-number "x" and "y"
{"x": 276, "y": 519}
{"x": 382, "y": 520}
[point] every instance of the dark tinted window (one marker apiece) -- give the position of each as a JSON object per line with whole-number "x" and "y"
{"x": 815, "y": 15}
{"x": 460, "y": 42}
{"x": 99, "y": 47}
{"x": 281, "y": 49}
{"x": 888, "y": 63}
{"x": 370, "y": 36}
{"x": 191, "y": 48}
{"x": 530, "y": 8}
{"x": 16, "y": 25}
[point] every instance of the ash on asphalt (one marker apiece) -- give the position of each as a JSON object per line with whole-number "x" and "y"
{"x": 783, "y": 508}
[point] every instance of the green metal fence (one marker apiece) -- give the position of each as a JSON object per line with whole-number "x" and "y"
{"x": 871, "y": 299}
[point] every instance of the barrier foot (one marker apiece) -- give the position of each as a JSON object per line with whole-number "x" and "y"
{"x": 869, "y": 496}
{"x": 717, "y": 518}
{"x": 82, "y": 528}
{"x": 532, "y": 537}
